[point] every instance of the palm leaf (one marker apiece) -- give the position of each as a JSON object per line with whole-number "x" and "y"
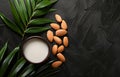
{"x": 28, "y": 12}
{"x": 31, "y": 74}
{"x": 50, "y": 73}
{"x": 10, "y": 24}
{"x": 27, "y": 71}
{"x": 23, "y": 9}
{"x": 7, "y": 62}
{"x": 20, "y": 11}
{"x": 2, "y": 51}
{"x": 45, "y": 3}
{"x": 40, "y": 21}
{"x": 24, "y": 13}
{"x": 36, "y": 29}
{"x": 38, "y": 1}
{"x": 43, "y": 68}
{"x": 16, "y": 16}
{"x": 16, "y": 68}
{"x": 17, "y": 65}
{"x": 42, "y": 12}
{"x": 28, "y": 7}
{"x": 46, "y": 70}
{"x": 33, "y": 4}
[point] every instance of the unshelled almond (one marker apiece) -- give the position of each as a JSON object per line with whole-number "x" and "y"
{"x": 64, "y": 25}
{"x": 54, "y": 49}
{"x": 58, "y": 18}
{"x": 50, "y": 35}
{"x": 57, "y": 40}
{"x": 61, "y": 57}
{"x": 55, "y": 26}
{"x": 56, "y": 64}
{"x": 61, "y": 48}
{"x": 61, "y": 32}
{"x": 65, "y": 41}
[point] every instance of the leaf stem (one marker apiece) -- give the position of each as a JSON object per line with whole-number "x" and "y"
{"x": 27, "y": 24}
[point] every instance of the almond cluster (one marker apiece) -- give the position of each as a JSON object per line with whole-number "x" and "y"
{"x": 59, "y": 37}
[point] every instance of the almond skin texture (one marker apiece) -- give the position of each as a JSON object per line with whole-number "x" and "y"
{"x": 57, "y": 40}
{"x": 58, "y": 18}
{"x": 56, "y": 64}
{"x": 54, "y": 49}
{"x": 50, "y": 35}
{"x": 61, "y": 32}
{"x": 55, "y": 26}
{"x": 61, "y": 48}
{"x": 65, "y": 41}
{"x": 61, "y": 57}
{"x": 64, "y": 25}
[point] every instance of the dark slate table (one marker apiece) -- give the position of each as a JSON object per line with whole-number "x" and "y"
{"x": 94, "y": 34}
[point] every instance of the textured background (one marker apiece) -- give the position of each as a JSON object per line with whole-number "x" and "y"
{"x": 94, "y": 34}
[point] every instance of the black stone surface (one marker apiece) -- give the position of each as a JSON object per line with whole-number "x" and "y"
{"x": 94, "y": 35}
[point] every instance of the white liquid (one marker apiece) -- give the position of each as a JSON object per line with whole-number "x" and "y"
{"x": 35, "y": 50}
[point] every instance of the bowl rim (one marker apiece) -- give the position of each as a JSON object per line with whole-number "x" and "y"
{"x": 37, "y": 37}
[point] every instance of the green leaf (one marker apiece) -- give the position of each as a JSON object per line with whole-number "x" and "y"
{"x": 51, "y": 73}
{"x": 36, "y": 29}
{"x": 2, "y": 51}
{"x": 16, "y": 68}
{"x": 48, "y": 72}
{"x": 23, "y": 9}
{"x": 38, "y": 1}
{"x": 40, "y": 21}
{"x": 16, "y": 16}
{"x": 27, "y": 71}
{"x": 20, "y": 11}
{"x": 33, "y": 4}
{"x": 32, "y": 74}
{"x": 52, "y": 10}
{"x": 43, "y": 68}
{"x": 45, "y": 3}
{"x": 42, "y": 12}
{"x": 7, "y": 61}
{"x": 28, "y": 6}
{"x": 10, "y": 24}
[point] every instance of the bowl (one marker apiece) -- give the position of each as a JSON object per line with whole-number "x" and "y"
{"x": 35, "y": 49}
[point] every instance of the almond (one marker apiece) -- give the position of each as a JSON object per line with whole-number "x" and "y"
{"x": 58, "y": 18}
{"x": 61, "y": 48}
{"x": 54, "y": 49}
{"x": 65, "y": 41}
{"x": 55, "y": 26}
{"x": 50, "y": 35}
{"x": 61, "y": 32}
{"x": 56, "y": 64}
{"x": 61, "y": 57}
{"x": 64, "y": 25}
{"x": 57, "y": 40}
